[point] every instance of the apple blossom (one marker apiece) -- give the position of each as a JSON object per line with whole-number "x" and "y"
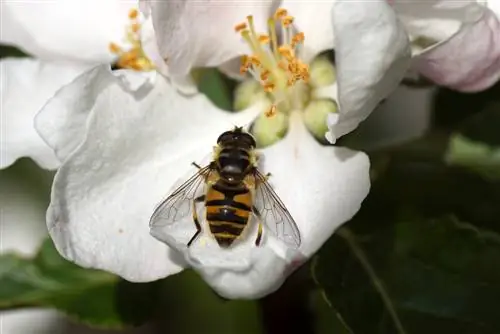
{"x": 125, "y": 144}
{"x": 27, "y": 83}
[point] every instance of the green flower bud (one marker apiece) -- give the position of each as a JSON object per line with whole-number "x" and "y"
{"x": 322, "y": 72}
{"x": 267, "y": 130}
{"x": 247, "y": 93}
{"x": 315, "y": 116}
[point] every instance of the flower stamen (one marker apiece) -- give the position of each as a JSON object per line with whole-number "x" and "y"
{"x": 133, "y": 58}
{"x": 275, "y": 66}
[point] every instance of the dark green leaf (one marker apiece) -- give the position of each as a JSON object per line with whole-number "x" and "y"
{"x": 478, "y": 156}
{"x": 216, "y": 87}
{"x": 11, "y": 51}
{"x": 90, "y": 296}
{"x": 421, "y": 256}
{"x": 452, "y": 109}
{"x": 189, "y": 305}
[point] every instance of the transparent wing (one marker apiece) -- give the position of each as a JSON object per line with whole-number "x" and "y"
{"x": 275, "y": 214}
{"x": 180, "y": 203}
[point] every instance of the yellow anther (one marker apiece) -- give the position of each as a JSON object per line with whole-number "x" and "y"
{"x": 241, "y": 26}
{"x": 114, "y": 48}
{"x": 286, "y": 52}
{"x": 280, "y": 13}
{"x": 133, "y": 14}
{"x": 275, "y": 66}
{"x": 269, "y": 87}
{"x": 298, "y": 38}
{"x": 271, "y": 111}
{"x": 254, "y": 60}
{"x": 264, "y": 39}
{"x": 282, "y": 65}
{"x": 243, "y": 69}
{"x": 264, "y": 75}
{"x": 132, "y": 57}
{"x": 135, "y": 27}
{"x": 287, "y": 20}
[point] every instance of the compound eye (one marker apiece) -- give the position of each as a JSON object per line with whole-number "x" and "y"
{"x": 248, "y": 138}
{"x": 225, "y": 136}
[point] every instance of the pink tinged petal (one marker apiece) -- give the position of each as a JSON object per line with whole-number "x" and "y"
{"x": 332, "y": 184}
{"x": 437, "y": 20}
{"x": 315, "y": 21}
{"x": 78, "y": 30}
{"x": 136, "y": 145}
{"x": 470, "y": 60}
{"x": 201, "y": 33}
{"x": 26, "y": 86}
{"x": 372, "y": 54}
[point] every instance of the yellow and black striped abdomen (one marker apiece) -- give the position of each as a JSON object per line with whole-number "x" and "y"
{"x": 227, "y": 211}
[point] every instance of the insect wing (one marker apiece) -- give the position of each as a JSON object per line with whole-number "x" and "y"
{"x": 275, "y": 214}
{"x": 179, "y": 204}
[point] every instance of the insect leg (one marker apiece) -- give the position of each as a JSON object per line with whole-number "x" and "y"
{"x": 259, "y": 218}
{"x": 195, "y": 219}
{"x": 196, "y": 165}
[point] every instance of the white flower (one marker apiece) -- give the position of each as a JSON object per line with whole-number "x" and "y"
{"x": 368, "y": 68}
{"x": 454, "y": 43}
{"x": 67, "y": 30}
{"x": 127, "y": 148}
{"x": 57, "y": 33}
{"x": 136, "y": 147}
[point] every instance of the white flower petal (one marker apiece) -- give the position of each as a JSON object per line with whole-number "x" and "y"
{"x": 62, "y": 122}
{"x": 201, "y": 33}
{"x": 183, "y": 83}
{"x": 29, "y": 321}
{"x": 436, "y": 20}
{"x": 60, "y": 29}
{"x": 136, "y": 146}
{"x": 315, "y": 21}
{"x": 322, "y": 187}
{"x": 493, "y": 5}
{"x": 372, "y": 56}
{"x": 26, "y": 86}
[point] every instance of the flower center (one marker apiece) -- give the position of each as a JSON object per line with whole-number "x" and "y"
{"x": 134, "y": 56}
{"x": 274, "y": 65}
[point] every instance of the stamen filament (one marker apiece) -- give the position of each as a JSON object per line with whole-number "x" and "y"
{"x": 271, "y": 24}
{"x": 275, "y": 66}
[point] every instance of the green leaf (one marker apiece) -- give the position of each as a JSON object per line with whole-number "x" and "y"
{"x": 189, "y": 305}
{"x": 11, "y": 51}
{"x": 477, "y": 156}
{"x": 93, "y": 297}
{"x": 216, "y": 87}
{"x": 421, "y": 255}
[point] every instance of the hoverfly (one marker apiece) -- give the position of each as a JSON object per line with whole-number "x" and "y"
{"x": 233, "y": 191}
